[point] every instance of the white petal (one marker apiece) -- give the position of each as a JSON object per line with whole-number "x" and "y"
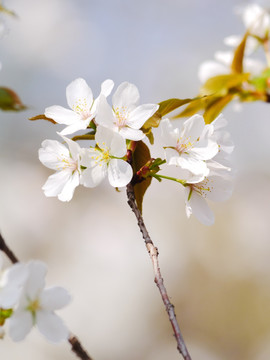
{"x": 36, "y": 279}
{"x": 221, "y": 189}
{"x": 224, "y": 57}
{"x": 119, "y": 173}
{"x": 54, "y": 298}
{"x": 51, "y": 326}
{"x": 131, "y": 134}
{"x": 105, "y": 115}
{"x": 74, "y": 147}
{"x": 167, "y": 132}
{"x": 88, "y": 157}
{"x": 106, "y": 87}
{"x": 16, "y": 274}
{"x": 104, "y": 137}
{"x": 204, "y": 149}
{"x": 92, "y": 177}
{"x": 56, "y": 182}
{"x": 118, "y": 146}
{"x": 219, "y": 123}
{"x": 232, "y": 40}
{"x": 193, "y": 128}
{"x": 79, "y": 95}
{"x": 199, "y": 207}
{"x": 61, "y": 115}
{"x": 9, "y": 296}
{"x": 69, "y": 187}
{"x": 108, "y": 139}
{"x": 76, "y": 126}
{"x": 126, "y": 95}
{"x": 20, "y": 325}
{"x": 52, "y": 153}
{"x": 195, "y": 166}
{"x": 140, "y": 114}
{"x": 211, "y": 68}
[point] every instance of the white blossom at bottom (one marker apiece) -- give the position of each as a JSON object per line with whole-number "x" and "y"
{"x": 214, "y": 188}
{"x": 12, "y": 280}
{"x": 36, "y": 307}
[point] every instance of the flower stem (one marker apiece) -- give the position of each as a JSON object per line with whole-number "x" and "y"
{"x": 159, "y": 177}
{"x": 153, "y": 252}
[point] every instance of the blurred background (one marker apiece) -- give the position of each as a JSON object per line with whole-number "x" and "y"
{"x": 218, "y": 277}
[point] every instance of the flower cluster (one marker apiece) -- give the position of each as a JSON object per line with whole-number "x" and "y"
{"x": 112, "y": 128}
{"x": 25, "y": 302}
{"x": 257, "y": 23}
{"x": 199, "y": 151}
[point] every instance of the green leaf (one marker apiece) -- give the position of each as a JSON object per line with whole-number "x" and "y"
{"x": 140, "y": 157}
{"x": 42, "y": 117}
{"x": 192, "y": 108}
{"x": 220, "y": 85}
{"x": 153, "y": 121}
{"x": 84, "y": 137}
{"x": 165, "y": 107}
{"x": 237, "y": 63}
{"x": 215, "y": 107}
{"x": 261, "y": 82}
{"x": 10, "y": 101}
{"x": 4, "y": 314}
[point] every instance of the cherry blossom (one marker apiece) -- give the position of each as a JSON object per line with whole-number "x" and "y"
{"x": 215, "y": 187}
{"x": 222, "y": 137}
{"x": 185, "y": 148}
{"x": 11, "y": 282}
{"x": 222, "y": 66}
{"x": 125, "y": 117}
{"x": 66, "y": 162}
{"x": 37, "y": 305}
{"x": 105, "y": 159}
{"x": 80, "y": 100}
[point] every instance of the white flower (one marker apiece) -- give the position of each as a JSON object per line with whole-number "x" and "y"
{"x": 65, "y": 161}
{"x": 37, "y": 306}
{"x": 126, "y": 117}
{"x": 216, "y": 132}
{"x": 256, "y": 19}
{"x": 106, "y": 159}
{"x": 11, "y": 282}
{"x": 185, "y": 148}
{"x": 222, "y": 66}
{"x": 214, "y": 187}
{"x": 80, "y": 100}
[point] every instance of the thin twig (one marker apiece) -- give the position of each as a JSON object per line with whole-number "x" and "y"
{"x": 153, "y": 252}
{"x": 76, "y": 346}
{"x": 7, "y": 251}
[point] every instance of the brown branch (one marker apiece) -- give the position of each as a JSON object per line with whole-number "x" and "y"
{"x": 153, "y": 252}
{"x": 76, "y": 346}
{"x": 7, "y": 251}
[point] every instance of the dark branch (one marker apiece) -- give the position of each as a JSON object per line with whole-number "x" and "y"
{"x": 7, "y": 251}
{"x": 153, "y": 252}
{"x": 77, "y": 348}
